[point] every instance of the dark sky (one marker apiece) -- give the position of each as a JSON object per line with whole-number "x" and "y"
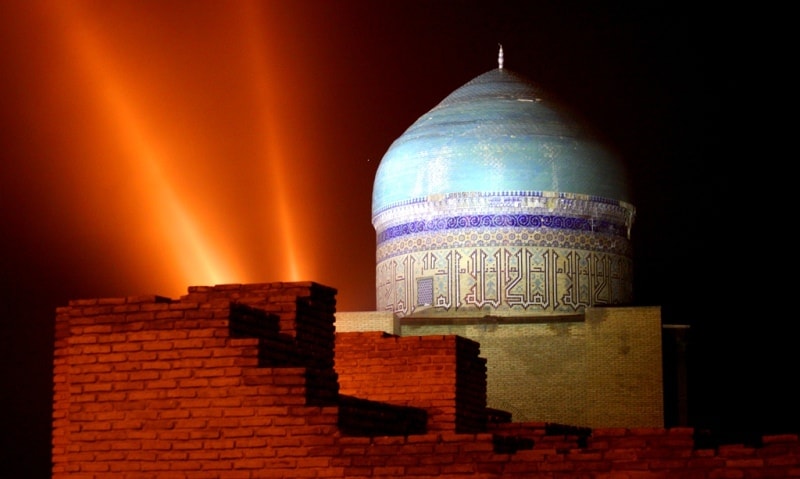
{"x": 148, "y": 146}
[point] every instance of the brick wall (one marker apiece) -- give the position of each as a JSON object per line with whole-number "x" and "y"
{"x": 238, "y": 381}
{"x": 348, "y": 321}
{"x": 623, "y": 370}
{"x": 441, "y": 374}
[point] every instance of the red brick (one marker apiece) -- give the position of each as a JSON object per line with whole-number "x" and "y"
{"x": 145, "y": 388}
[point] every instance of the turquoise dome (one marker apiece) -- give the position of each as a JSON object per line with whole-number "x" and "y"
{"x": 495, "y": 133}
{"x": 496, "y": 202}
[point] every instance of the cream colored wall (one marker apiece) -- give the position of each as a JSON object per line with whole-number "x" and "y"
{"x": 350, "y": 321}
{"x": 604, "y": 371}
{"x": 624, "y": 371}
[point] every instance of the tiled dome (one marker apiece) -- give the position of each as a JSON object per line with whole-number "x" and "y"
{"x": 494, "y": 202}
{"x": 495, "y": 133}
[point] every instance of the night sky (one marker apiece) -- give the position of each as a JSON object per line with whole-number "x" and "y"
{"x": 148, "y": 146}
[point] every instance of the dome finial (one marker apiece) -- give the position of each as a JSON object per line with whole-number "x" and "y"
{"x": 500, "y": 57}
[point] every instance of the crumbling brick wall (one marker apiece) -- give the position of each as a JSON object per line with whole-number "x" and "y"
{"x": 241, "y": 381}
{"x": 442, "y": 374}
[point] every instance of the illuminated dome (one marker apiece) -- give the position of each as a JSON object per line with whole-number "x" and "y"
{"x": 495, "y": 202}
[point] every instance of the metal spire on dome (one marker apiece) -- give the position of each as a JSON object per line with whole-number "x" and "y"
{"x": 500, "y": 57}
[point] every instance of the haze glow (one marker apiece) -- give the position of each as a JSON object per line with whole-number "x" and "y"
{"x": 186, "y": 160}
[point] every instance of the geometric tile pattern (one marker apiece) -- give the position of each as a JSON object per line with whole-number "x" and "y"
{"x": 553, "y": 257}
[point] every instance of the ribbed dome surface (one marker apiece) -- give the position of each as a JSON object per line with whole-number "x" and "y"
{"x": 497, "y": 133}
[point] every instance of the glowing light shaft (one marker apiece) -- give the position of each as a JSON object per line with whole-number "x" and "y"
{"x": 197, "y": 259}
{"x": 274, "y": 154}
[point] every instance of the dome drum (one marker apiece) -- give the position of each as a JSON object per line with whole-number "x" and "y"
{"x": 516, "y": 254}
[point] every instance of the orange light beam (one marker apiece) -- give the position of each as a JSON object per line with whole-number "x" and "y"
{"x": 196, "y": 257}
{"x": 274, "y": 151}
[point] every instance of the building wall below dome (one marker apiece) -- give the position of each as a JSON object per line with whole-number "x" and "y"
{"x": 602, "y": 369}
